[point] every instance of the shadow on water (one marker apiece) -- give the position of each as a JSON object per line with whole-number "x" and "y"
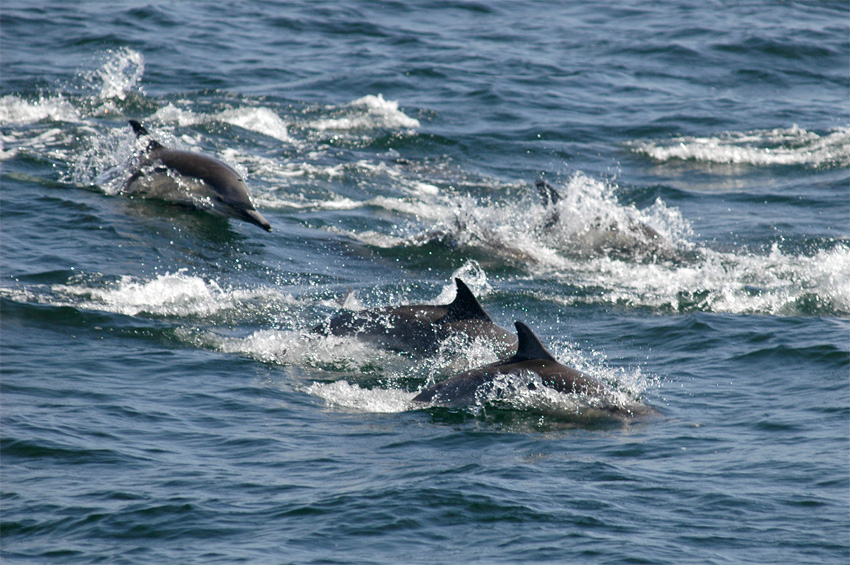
{"x": 198, "y": 223}
{"x": 73, "y": 321}
{"x": 532, "y": 420}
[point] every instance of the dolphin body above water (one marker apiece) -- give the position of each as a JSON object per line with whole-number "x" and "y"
{"x": 531, "y": 358}
{"x": 422, "y": 328}
{"x": 192, "y": 179}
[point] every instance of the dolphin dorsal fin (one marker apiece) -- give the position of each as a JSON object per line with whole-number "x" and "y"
{"x": 465, "y": 306}
{"x": 550, "y": 198}
{"x": 140, "y": 130}
{"x": 547, "y": 193}
{"x": 529, "y": 346}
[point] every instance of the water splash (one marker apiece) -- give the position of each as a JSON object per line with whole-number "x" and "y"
{"x": 120, "y": 73}
{"x": 526, "y": 392}
{"x": 778, "y": 283}
{"x": 18, "y": 111}
{"x": 351, "y": 397}
{"x": 170, "y": 295}
{"x": 366, "y": 113}
{"x": 470, "y": 273}
{"x": 588, "y": 221}
{"x": 258, "y": 119}
{"x": 261, "y": 120}
{"x": 300, "y": 348}
{"x": 105, "y": 161}
{"x": 594, "y": 248}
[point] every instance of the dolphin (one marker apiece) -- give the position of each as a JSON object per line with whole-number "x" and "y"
{"x": 421, "y": 328}
{"x": 193, "y": 179}
{"x": 550, "y": 198}
{"x": 531, "y": 357}
{"x": 633, "y": 239}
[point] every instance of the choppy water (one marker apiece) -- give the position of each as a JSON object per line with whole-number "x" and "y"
{"x": 163, "y": 400}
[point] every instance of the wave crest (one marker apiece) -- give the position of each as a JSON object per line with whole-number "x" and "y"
{"x": 781, "y": 146}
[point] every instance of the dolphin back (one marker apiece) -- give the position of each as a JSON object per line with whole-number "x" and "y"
{"x": 531, "y": 357}
{"x": 221, "y": 176}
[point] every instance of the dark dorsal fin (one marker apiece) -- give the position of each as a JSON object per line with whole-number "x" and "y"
{"x": 140, "y": 130}
{"x": 529, "y": 347}
{"x": 550, "y": 198}
{"x": 547, "y": 193}
{"x": 465, "y": 306}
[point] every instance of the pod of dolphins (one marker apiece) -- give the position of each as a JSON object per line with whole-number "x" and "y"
{"x": 422, "y": 328}
{"x": 200, "y": 181}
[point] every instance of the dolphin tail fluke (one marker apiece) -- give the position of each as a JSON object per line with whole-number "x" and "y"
{"x": 465, "y": 306}
{"x": 529, "y": 346}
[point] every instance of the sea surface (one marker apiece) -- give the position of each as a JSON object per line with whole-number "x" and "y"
{"x": 164, "y": 400}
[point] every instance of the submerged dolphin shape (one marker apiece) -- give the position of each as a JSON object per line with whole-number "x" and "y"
{"x": 193, "y": 179}
{"x": 421, "y": 328}
{"x": 531, "y": 357}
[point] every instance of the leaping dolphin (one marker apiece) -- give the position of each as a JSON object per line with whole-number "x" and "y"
{"x": 421, "y": 328}
{"x": 193, "y": 179}
{"x": 531, "y": 357}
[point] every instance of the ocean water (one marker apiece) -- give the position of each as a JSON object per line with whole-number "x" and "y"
{"x": 162, "y": 397}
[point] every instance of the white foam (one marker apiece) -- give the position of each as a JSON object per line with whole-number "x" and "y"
{"x": 172, "y": 294}
{"x": 774, "y": 283}
{"x": 304, "y": 349}
{"x": 171, "y": 114}
{"x": 252, "y": 118}
{"x": 387, "y": 110}
{"x": 119, "y": 73}
{"x": 368, "y": 112}
{"x": 590, "y": 222}
{"x": 17, "y": 111}
{"x": 526, "y": 392}
{"x": 781, "y": 146}
{"x": 261, "y": 120}
{"x": 351, "y": 397}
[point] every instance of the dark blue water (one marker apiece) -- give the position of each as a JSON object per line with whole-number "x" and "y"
{"x": 162, "y": 398}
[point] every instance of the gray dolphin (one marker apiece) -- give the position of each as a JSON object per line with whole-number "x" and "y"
{"x": 421, "y": 328}
{"x": 193, "y": 179}
{"x": 531, "y": 357}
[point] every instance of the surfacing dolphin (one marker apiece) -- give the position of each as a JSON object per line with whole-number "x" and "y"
{"x": 422, "y": 328}
{"x": 193, "y": 179}
{"x": 630, "y": 239}
{"x": 531, "y": 357}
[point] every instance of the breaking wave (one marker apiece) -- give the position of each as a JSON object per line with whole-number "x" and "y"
{"x": 368, "y": 112}
{"x": 781, "y": 146}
